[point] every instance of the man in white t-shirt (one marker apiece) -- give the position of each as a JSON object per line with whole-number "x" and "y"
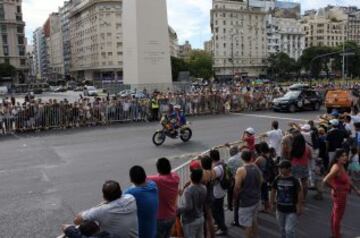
{"x": 275, "y": 137}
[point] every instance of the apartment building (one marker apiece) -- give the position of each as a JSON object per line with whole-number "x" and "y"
{"x": 239, "y": 37}
{"x": 64, "y": 13}
{"x": 185, "y": 50}
{"x": 13, "y": 41}
{"x": 325, "y": 27}
{"x": 55, "y": 46}
{"x": 285, "y": 35}
{"x": 96, "y": 40}
{"x": 208, "y": 46}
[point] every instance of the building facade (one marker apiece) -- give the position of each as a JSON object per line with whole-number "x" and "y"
{"x": 208, "y": 46}
{"x": 64, "y": 13}
{"x": 13, "y": 41}
{"x": 325, "y": 27}
{"x": 96, "y": 40}
{"x": 185, "y": 50}
{"x": 55, "y": 47}
{"x": 285, "y": 35}
{"x": 239, "y": 37}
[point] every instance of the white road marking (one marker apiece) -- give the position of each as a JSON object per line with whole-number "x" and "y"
{"x": 272, "y": 117}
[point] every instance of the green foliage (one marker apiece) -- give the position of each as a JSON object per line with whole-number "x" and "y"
{"x": 316, "y": 66}
{"x": 352, "y": 62}
{"x": 178, "y": 65}
{"x": 200, "y": 64}
{"x": 281, "y": 66}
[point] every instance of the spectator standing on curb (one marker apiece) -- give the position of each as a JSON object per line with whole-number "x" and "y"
{"x": 208, "y": 181}
{"x": 335, "y": 138}
{"x": 340, "y": 184}
{"x": 192, "y": 210}
{"x": 116, "y": 215}
{"x": 247, "y": 192}
{"x": 146, "y": 195}
{"x": 274, "y": 138}
{"x": 168, "y": 186}
{"x": 154, "y": 108}
{"x": 300, "y": 159}
{"x": 233, "y": 164}
{"x": 218, "y": 192}
{"x": 287, "y": 191}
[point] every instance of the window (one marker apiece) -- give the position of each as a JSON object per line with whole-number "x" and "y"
{"x": 4, "y": 39}
{"x": 20, "y": 29}
{"x": 18, "y": 9}
{"x": 22, "y": 62}
{"x": 21, "y": 40}
{"x": 6, "y": 50}
{"x": 3, "y": 28}
{"x": 21, "y": 50}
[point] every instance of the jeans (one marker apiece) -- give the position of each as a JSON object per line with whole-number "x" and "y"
{"x": 194, "y": 229}
{"x": 164, "y": 227}
{"x": 287, "y": 223}
{"x": 218, "y": 213}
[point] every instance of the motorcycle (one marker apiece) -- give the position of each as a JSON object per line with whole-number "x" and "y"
{"x": 184, "y": 133}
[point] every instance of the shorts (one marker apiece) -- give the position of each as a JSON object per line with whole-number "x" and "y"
{"x": 300, "y": 171}
{"x": 247, "y": 215}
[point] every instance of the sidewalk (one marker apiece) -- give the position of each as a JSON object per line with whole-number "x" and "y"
{"x": 314, "y": 223}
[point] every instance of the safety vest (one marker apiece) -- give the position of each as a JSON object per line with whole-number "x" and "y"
{"x": 154, "y": 104}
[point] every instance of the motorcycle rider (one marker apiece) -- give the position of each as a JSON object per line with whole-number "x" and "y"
{"x": 180, "y": 116}
{"x": 169, "y": 120}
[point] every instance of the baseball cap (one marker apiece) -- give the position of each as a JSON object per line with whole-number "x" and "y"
{"x": 306, "y": 127}
{"x": 334, "y": 122}
{"x": 250, "y": 130}
{"x": 195, "y": 164}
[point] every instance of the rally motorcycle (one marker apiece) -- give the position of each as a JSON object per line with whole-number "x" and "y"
{"x": 183, "y": 132}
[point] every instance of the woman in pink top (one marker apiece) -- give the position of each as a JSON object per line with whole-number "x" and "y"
{"x": 300, "y": 158}
{"x": 340, "y": 184}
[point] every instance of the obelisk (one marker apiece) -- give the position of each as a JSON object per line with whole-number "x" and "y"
{"x": 146, "y": 44}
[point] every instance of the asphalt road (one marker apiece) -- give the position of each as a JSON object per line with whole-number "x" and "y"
{"x": 48, "y": 177}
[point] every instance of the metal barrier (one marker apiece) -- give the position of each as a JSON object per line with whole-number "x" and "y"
{"x": 50, "y": 115}
{"x": 184, "y": 170}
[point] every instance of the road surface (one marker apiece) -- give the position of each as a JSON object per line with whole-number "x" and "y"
{"x": 48, "y": 177}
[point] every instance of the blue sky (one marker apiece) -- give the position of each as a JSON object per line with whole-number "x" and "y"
{"x": 189, "y": 18}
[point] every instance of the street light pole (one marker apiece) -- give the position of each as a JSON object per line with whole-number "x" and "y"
{"x": 232, "y": 55}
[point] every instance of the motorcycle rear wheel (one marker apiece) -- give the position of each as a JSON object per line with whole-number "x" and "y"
{"x": 186, "y": 134}
{"x": 158, "y": 138}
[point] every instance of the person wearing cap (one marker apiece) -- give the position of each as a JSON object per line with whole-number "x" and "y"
{"x": 335, "y": 138}
{"x": 249, "y": 138}
{"x": 287, "y": 194}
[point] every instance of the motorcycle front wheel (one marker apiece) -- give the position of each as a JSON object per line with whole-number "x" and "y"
{"x": 158, "y": 138}
{"x": 186, "y": 134}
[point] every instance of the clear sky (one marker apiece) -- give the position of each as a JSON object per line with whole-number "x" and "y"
{"x": 189, "y": 18}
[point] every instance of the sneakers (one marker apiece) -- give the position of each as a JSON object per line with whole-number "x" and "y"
{"x": 221, "y": 233}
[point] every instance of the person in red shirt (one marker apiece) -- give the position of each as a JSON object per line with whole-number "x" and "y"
{"x": 168, "y": 185}
{"x": 249, "y": 138}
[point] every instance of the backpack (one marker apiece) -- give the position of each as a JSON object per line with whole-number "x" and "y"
{"x": 270, "y": 170}
{"x": 225, "y": 180}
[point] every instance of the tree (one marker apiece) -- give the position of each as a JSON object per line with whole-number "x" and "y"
{"x": 7, "y": 70}
{"x": 316, "y": 66}
{"x": 200, "y": 64}
{"x": 351, "y": 62}
{"x": 281, "y": 65}
{"x": 178, "y": 65}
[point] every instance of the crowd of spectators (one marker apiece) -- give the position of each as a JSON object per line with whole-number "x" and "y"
{"x": 270, "y": 174}
{"x": 38, "y": 114}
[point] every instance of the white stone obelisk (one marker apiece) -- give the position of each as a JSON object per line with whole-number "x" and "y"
{"x": 146, "y": 44}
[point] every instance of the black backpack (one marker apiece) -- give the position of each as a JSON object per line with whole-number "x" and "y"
{"x": 225, "y": 180}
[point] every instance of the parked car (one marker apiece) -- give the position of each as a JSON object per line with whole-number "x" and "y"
{"x": 341, "y": 100}
{"x": 59, "y": 89}
{"x": 298, "y": 100}
{"x": 90, "y": 91}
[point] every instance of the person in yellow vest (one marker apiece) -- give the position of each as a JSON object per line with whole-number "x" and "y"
{"x": 154, "y": 108}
